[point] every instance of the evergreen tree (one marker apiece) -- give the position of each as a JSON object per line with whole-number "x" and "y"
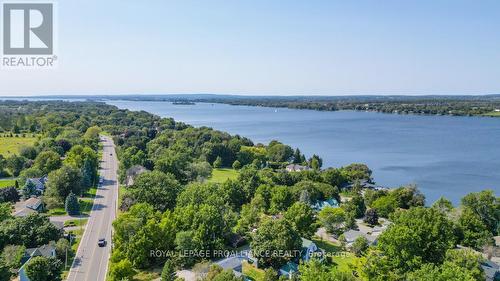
{"x": 29, "y": 189}
{"x": 218, "y": 162}
{"x": 5, "y": 273}
{"x": 298, "y": 157}
{"x": 236, "y": 165}
{"x": 168, "y": 272}
{"x": 371, "y": 217}
{"x": 315, "y": 162}
{"x": 72, "y": 207}
{"x": 87, "y": 174}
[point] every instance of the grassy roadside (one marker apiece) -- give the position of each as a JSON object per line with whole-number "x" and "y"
{"x": 86, "y": 202}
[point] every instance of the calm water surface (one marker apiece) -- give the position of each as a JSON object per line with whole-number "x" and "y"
{"x": 444, "y": 155}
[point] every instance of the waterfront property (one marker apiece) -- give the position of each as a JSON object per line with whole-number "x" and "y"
{"x": 399, "y": 149}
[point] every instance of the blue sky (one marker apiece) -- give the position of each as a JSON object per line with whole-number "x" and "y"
{"x": 270, "y": 47}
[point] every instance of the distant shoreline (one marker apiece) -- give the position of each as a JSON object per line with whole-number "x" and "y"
{"x": 433, "y": 105}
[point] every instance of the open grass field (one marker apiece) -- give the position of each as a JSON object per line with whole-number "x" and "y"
{"x": 11, "y": 145}
{"x": 6, "y": 183}
{"x": 221, "y": 175}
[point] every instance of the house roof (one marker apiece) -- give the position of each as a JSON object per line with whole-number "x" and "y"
{"x": 233, "y": 263}
{"x": 320, "y": 205}
{"x": 306, "y": 243}
{"x": 33, "y": 203}
{"x": 24, "y": 212}
{"x": 58, "y": 224}
{"x": 46, "y": 250}
{"x": 297, "y": 167}
{"x": 491, "y": 269}
{"x": 38, "y": 182}
{"x": 351, "y": 235}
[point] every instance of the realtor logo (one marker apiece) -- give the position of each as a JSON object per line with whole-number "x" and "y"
{"x": 28, "y": 29}
{"x": 28, "y": 35}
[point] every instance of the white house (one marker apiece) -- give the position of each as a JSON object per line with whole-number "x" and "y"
{"x": 296, "y": 168}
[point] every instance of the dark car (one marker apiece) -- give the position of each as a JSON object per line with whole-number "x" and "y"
{"x": 101, "y": 242}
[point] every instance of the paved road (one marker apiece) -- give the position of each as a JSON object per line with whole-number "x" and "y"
{"x": 91, "y": 262}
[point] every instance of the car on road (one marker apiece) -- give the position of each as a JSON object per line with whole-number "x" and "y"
{"x": 101, "y": 242}
{"x": 111, "y": 154}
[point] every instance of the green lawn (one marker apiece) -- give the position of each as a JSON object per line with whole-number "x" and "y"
{"x": 86, "y": 205}
{"x": 6, "y": 183}
{"x": 327, "y": 246}
{"x": 221, "y": 175}
{"x": 344, "y": 261}
{"x": 90, "y": 193}
{"x": 85, "y": 208}
{"x": 251, "y": 272}
{"x": 76, "y": 222}
{"x": 11, "y": 145}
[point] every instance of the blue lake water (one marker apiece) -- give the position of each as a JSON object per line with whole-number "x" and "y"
{"x": 443, "y": 155}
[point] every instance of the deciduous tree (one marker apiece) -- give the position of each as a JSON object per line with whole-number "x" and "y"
{"x": 275, "y": 242}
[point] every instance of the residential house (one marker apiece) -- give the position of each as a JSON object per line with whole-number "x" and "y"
{"x": 309, "y": 250}
{"x": 39, "y": 183}
{"x": 233, "y": 263}
{"x": 351, "y": 235}
{"x": 320, "y": 205}
{"x": 296, "y": 168}
{"x": 48, "y": 250}
{"x": 235, "y": 260}
{"x": 32, "y": 205}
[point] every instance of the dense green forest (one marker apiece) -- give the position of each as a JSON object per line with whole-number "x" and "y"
{"x": 173, "y": 208}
